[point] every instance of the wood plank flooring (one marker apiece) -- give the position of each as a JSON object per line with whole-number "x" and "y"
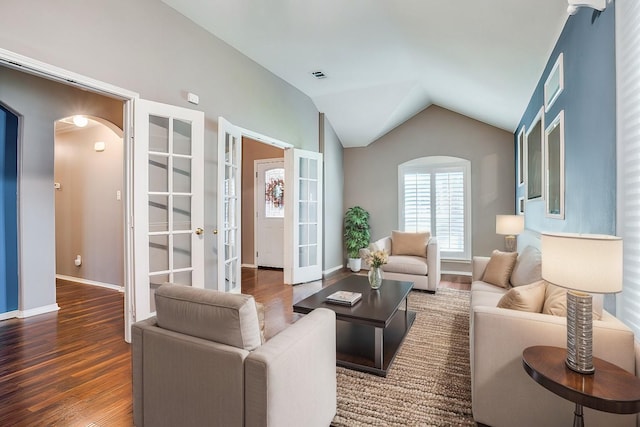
{"x": 73, "y": 367}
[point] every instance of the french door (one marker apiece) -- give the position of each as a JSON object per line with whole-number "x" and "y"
{"x": 303, "y": 216}
{"x": 229, "y": 208}
{"x": 168, "y": 200}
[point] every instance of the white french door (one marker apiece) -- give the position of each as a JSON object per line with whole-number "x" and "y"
{"x": 229, "y": 208}
{"x": 168, "y": 200}
{"x": 303, "y": 216}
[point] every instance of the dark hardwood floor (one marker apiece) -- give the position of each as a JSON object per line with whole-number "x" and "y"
{"x": 73, "y": 367}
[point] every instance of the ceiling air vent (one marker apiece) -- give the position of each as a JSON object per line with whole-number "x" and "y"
{"x": 319, "y": 74}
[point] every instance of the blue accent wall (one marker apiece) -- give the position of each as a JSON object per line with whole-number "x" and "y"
{"x": 8, "y": 211}
{"x": 589, "y": 103}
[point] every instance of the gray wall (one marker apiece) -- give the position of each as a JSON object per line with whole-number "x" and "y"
{"x": 371, "y": 173}
{"x": 40, "y": 103}
{"x": 89, "y": 218}
{"x": 332, "y": 150}
{"x": 146, "y": 47}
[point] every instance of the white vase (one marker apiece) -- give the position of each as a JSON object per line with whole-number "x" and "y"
{"x": 355, "y": 264}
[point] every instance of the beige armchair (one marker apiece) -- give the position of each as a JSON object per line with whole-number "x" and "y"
{"x": 201, "y": 361}
{"x": 415, "y": 257}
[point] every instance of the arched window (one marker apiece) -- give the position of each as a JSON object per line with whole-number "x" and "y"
{"x": 434, "y": 196}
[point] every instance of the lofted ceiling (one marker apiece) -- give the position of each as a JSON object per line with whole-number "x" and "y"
{"x": 386, "y": 61}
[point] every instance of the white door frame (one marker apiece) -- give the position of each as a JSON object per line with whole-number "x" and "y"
{"x": 257, "y": 199}
{"x": 50, "y": 72}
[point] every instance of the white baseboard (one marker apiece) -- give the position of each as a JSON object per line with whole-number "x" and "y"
{"x": 457, "y": 273}
{"x": 332, "y": 270}
{"x": 9, "y": 315}
{"x": 91, "y": 282}
{"x": 38, "y": 310}
{"x": 248, "y": 266}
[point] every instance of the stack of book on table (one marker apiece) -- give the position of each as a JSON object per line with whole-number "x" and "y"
{"x": 344, "y": 298}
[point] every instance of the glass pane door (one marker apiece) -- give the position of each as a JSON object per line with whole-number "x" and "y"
{"x": 303, "y": 222}
{"x": 229, "y": 158}
{"x": 168, "y": 200}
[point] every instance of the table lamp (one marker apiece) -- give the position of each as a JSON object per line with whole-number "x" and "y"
{"x": 510, "y": 226}
{"x": 581, "y": 263}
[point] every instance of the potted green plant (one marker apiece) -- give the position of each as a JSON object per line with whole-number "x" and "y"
{"x": 356, "y": 235}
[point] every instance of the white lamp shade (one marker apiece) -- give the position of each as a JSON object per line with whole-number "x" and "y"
{"x": 583, "y": 262}
{"x": 509, "y": 225}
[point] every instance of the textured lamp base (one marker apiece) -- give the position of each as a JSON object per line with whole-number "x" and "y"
{"x": 510, "y": 243}
{"x": 579, "y": 332}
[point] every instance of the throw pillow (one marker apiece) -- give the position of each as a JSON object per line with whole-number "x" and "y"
{"x": 415, "y": 244}
{"x": 524, "y": 298}
{"x": 499, "y": 268}
{"x": 528, "y": 268}
{"x": 555, "y": 301}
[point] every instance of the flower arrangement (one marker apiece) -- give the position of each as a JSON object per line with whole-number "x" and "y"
{"x": 274, "y": 192}
{"x": 377, "y": 259}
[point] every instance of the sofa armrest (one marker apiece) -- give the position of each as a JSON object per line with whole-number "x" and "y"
{"x": 497, "y": 340}
{"x": 433, "y": 264}
{"x": 291, "y": 379}
{"x": 173, "y": 372}
{"x": 478, "y": 267}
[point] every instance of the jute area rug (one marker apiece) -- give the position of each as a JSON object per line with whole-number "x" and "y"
{"x": 429, "y": 382}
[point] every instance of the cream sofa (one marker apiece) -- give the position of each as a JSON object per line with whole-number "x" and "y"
{"x": 423, "y": 271}
{"x": 201, "y": 362}
{"x": 503, "y": 394}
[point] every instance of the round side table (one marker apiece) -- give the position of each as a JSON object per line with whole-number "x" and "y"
{"x": 609, "y": 389}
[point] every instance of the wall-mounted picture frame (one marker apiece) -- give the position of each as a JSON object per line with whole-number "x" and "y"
{"x": 534, "y": 157}
{"x": 554, "y": 168}
{"x": 521, "y": 156}
{"x": 554, "y": 85}
{"x": 521, "y": 206}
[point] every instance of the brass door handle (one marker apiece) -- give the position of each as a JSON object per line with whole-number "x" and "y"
{"x": 215, "y": 231}
{"x": 199, "y": 231}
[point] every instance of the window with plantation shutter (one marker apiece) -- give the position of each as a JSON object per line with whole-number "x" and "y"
{"x": 434, "y": 197}
{"x": 628, "y": 165}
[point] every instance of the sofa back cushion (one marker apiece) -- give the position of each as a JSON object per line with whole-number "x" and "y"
{"x": 499, "y": 268}
{"x": 230, "y": 319}
{"x": 403, "y": 243}
{"x": 528, "y": 267}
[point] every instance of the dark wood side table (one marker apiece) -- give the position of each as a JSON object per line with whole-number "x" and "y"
{"x": 609, "y": 389}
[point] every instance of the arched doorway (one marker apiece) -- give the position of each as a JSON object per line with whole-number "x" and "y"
{"x": 89, "y": 211}
{"x": 9, "y": 122}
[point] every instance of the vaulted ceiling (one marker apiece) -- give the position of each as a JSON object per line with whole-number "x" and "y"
{"x": 387, "y": 60}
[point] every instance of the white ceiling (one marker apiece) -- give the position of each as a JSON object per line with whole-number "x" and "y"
{"x": 387, "y": 60}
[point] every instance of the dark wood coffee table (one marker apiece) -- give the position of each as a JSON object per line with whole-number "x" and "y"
{"x": 368, "y": 334}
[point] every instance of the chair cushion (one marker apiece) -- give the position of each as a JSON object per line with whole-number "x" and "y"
{"x": 415, "y": 244}
{"x": 528, "y": 268}
{"x": 499, "y": 268}
{"x": 230, "y": 319}
{"x": 406, "y": 265}
{"x": 525, "y": 298}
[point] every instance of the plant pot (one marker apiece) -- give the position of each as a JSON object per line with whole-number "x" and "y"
{"x": 355, "y": 264}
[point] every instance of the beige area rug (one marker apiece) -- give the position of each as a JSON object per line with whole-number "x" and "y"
{"x": 429, "y": 382}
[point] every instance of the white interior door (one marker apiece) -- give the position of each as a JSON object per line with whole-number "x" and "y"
{"x": 303, "y": 216}
{"x": 168, "y": 200}
{"x": 269, "y": 202}
{"x": 229, "y": 209}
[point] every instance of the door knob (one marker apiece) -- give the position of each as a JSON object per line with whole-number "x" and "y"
{"x": 199, "y": 231}
{"x": 215, "y": 231}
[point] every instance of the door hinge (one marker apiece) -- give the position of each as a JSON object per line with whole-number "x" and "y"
{"x": 256, "y": 254}
{"x": 256, "y": 175}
